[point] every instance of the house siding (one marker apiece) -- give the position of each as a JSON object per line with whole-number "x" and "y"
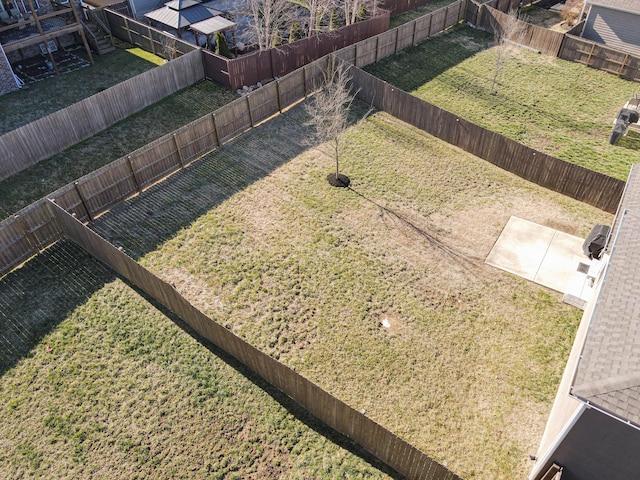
{"x": 7, "y": 80}
{"x": 614, "y": 28}
{"x": 598, "y": 447}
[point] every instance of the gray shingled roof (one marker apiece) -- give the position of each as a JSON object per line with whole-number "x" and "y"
{"x": 608, "y": 372}
{"x": 626, "y": 5}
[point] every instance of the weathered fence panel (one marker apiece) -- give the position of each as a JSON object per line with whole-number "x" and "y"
{"x": 587, "y": 186}
{"x": 195, "y": 139}
{"x": 154, "y": 162}
{"x": 366, "y": 51}
{"x": 406, "y": 36}
{"x": 538, "y": 38}
{"x": 216, "y": 68}
{"x": 232, "y": 119}
{"x": 385, "y": 445}
{"x": 600, "y": 56}
{"x": 387, "y": 45}
{"x": 291, "y": 88}
{"x": 109, "y": 185}
{"x": 263, "y": 103}
{"x": 26, "y": 234}
{"x": 42, "y": 138}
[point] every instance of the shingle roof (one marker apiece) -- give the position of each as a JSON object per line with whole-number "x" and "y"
{"x": 626, "y": 5}
{"x": 178, "y": 14}
{"x": 608, "y": 372}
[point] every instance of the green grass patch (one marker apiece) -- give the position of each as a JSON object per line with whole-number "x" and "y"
{"x": 118, "y": 140}
{"x": 397, "y": 20}
{"x": 257, "y": 238}
{"x": 42, "y": 98}
{"x": 561, "y": 108}
{"x": 124, "y": 392}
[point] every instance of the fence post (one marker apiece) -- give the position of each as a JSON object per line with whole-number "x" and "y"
{"x": 624, "y": 63}
{"x": 304, "y": 80}
{"x": 126, "y": 24}
{"x": 215, "y": 129}
{"x": 133, "y": 174}
{"x": 413, "y": 36}
{"x": 153, "y": 48}
{"x": 83, "y": 200}
{"x": 249, "y": 108}
{"x": 27, "y": 233}
{"x": 278, "y": 96}
{"x": 175, "y": 141}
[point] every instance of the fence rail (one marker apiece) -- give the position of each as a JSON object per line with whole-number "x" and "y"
{"x": 373, "y": 437}
{"x": 42, "y": 138}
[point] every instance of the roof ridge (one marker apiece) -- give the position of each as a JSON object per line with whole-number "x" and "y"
{"x": 607, "y": 385}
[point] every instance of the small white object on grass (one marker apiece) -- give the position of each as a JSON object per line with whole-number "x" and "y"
{"x": 386, "y": 323}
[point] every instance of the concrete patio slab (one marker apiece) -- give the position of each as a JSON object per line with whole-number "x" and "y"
{"x": 545, "y": 256}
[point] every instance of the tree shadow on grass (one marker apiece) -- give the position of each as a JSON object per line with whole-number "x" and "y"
{"x": 37, "y": 297}
{"x": 439, "y": 54}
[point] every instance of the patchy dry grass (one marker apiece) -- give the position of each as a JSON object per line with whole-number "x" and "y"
{"x": 561, "y": 108}
{"x": 257, "y": 238}
{"x": 125, "y": 393}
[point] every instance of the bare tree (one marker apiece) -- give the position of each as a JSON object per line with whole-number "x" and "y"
{"x": 329, "y": 109}
{"x": 269, "y": 21}
{"x": 508, "y": 32}
{"x": 357, "y": 10}
{"x": 169, "y": 47}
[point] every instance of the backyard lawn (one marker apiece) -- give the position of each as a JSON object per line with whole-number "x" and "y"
{"x": 47, "y": 96}
{"x": 561, "y": 108}
{"x": 378, "y": 293}
{"x": 254, "y": 235}
{"x": 120, "y": 139}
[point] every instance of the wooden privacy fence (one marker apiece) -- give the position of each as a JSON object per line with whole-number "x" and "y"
{"x": 31, "y": 143}
{"x": 380, "y": 442}
{"x": 267, "y": 64}
{"x": 392, "y": 41}
{"x": 146, "y": 37}
{"x": 577, "y": 182}
{"x": 566, "y": 46}
{"x": 538, "y": 38}
{"x": 31, "y": 230}
{"x": 600, "y": 56}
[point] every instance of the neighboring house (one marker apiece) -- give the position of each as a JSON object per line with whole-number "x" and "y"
{"x": 36, "y": 29}
{"x": 8, "y": 81}
{"x": 615, "y": 23}
{"x": 593, "y": 431}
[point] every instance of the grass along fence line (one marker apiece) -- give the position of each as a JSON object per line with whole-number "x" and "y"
{"x": 597, "y": 189}
{"x": 93, "y": 194}
{"x": 557, "y": 107}
{"x": 119, "y": 140}
{"x": 31, "y": 143}
{"x": 382, "y": 443}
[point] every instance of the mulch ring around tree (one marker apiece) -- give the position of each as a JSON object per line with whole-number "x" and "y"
{"x": 338, "y": 180}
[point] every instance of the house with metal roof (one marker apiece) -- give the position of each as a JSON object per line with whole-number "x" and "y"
{"x": 593, "y": 431}
{"x": 615, "y": 23}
